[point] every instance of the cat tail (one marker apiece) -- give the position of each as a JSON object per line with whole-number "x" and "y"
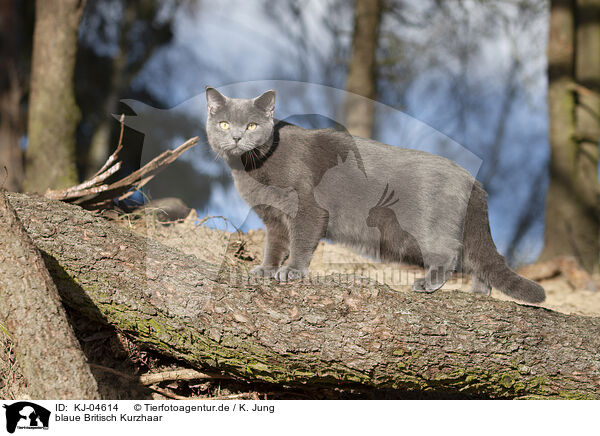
{"x": 482, "y": 258}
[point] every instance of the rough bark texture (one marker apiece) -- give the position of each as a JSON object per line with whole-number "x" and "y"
{"x": 359, "y": 111}
{"x": 46, "y": 347}
{"x": 572, "y": 207}
{"x": 53, "y": 113}
{"x": 328, "y": 333}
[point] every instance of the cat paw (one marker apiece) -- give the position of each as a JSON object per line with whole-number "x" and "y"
{"x": 288, "y": 274}
{"x": 420, "y": 285}
{"x": 482, "y": 291}
{"x": 263, "y": 271}
{"x": 480, "y": 287}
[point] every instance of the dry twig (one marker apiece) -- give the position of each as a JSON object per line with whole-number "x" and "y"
{"x": 96, "y": 194}
{"x": 174, "y": 375}
{"x": 168, "y": 393}
{"x": 179, "y": 374}
{"x": 147, "y": 380}
{"x": 240, "y": 396}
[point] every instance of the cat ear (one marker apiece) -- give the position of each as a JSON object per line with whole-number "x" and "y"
{"x": 266, "y": 102}
{"x": 214, "y": 99}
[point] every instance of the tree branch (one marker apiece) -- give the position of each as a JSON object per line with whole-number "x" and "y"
{"x": 95, "y": 194}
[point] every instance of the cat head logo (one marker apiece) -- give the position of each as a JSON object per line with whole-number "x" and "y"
{"x": 26, "y": 415}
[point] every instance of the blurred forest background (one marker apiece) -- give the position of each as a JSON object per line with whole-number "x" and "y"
{"x": 516, "y": 82}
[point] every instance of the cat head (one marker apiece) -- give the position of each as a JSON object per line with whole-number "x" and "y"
{"x": 235, "y": 125}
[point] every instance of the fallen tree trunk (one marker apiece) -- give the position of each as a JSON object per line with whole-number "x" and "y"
{"x": 330, "y": 333}
{"x": 46, "y": 348}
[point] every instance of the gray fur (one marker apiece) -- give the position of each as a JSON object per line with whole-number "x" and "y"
{"x": 388, "y": 202}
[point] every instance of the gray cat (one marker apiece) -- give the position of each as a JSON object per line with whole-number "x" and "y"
{"x": 391, "y": 203}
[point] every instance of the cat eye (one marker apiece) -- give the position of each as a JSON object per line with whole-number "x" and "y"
{"x": 224, "y": 125}
{"x": 252, "y": 126}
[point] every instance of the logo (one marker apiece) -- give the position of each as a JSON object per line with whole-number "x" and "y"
{"x": 26, "y": 415}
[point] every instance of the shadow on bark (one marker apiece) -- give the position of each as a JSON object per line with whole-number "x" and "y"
{"x": 99, "y": 340}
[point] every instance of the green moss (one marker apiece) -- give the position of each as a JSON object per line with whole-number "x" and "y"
{"x": 449, "y": 377}
{"x": 356, "y": 377}
{"x": 519, "y": 386}
{"x": 506, "y": 381}
{"x": 258, "y": 367}
{"x": 567, "y": 395}
{"x": 303, "y": 375}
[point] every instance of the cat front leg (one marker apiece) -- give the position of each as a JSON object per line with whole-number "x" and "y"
{"x": 306, "y": 230}
{"x": 276, "y": 246}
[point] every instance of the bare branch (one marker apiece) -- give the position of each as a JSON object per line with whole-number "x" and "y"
{"x": 95, "y": 194}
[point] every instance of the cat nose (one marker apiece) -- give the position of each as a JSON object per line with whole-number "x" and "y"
{"x": 237, "y": 139}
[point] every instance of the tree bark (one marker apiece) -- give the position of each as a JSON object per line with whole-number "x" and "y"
{"x": 359, "y": 111}
{"x": 572, "y": 207}
{"x": 328, "y": 332}
{"x": 46, "y": 347}
{"x": 53, "y": 113}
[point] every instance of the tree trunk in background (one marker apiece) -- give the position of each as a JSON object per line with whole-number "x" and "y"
{"x": 359, "y": 111}
{"x": 11, "y": 124}
{"x": 572, "y": 208}
{"x": 587, "y": 132}
{"x": 46, "y": 348}
{"x": 53, "y": 113}
{"x": 100, "y": 143}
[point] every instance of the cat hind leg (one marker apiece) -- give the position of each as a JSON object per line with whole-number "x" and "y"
{"x": 440, "y": 270}
{"x": 434, "y": 279}
{"x": 481, "y": 287}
